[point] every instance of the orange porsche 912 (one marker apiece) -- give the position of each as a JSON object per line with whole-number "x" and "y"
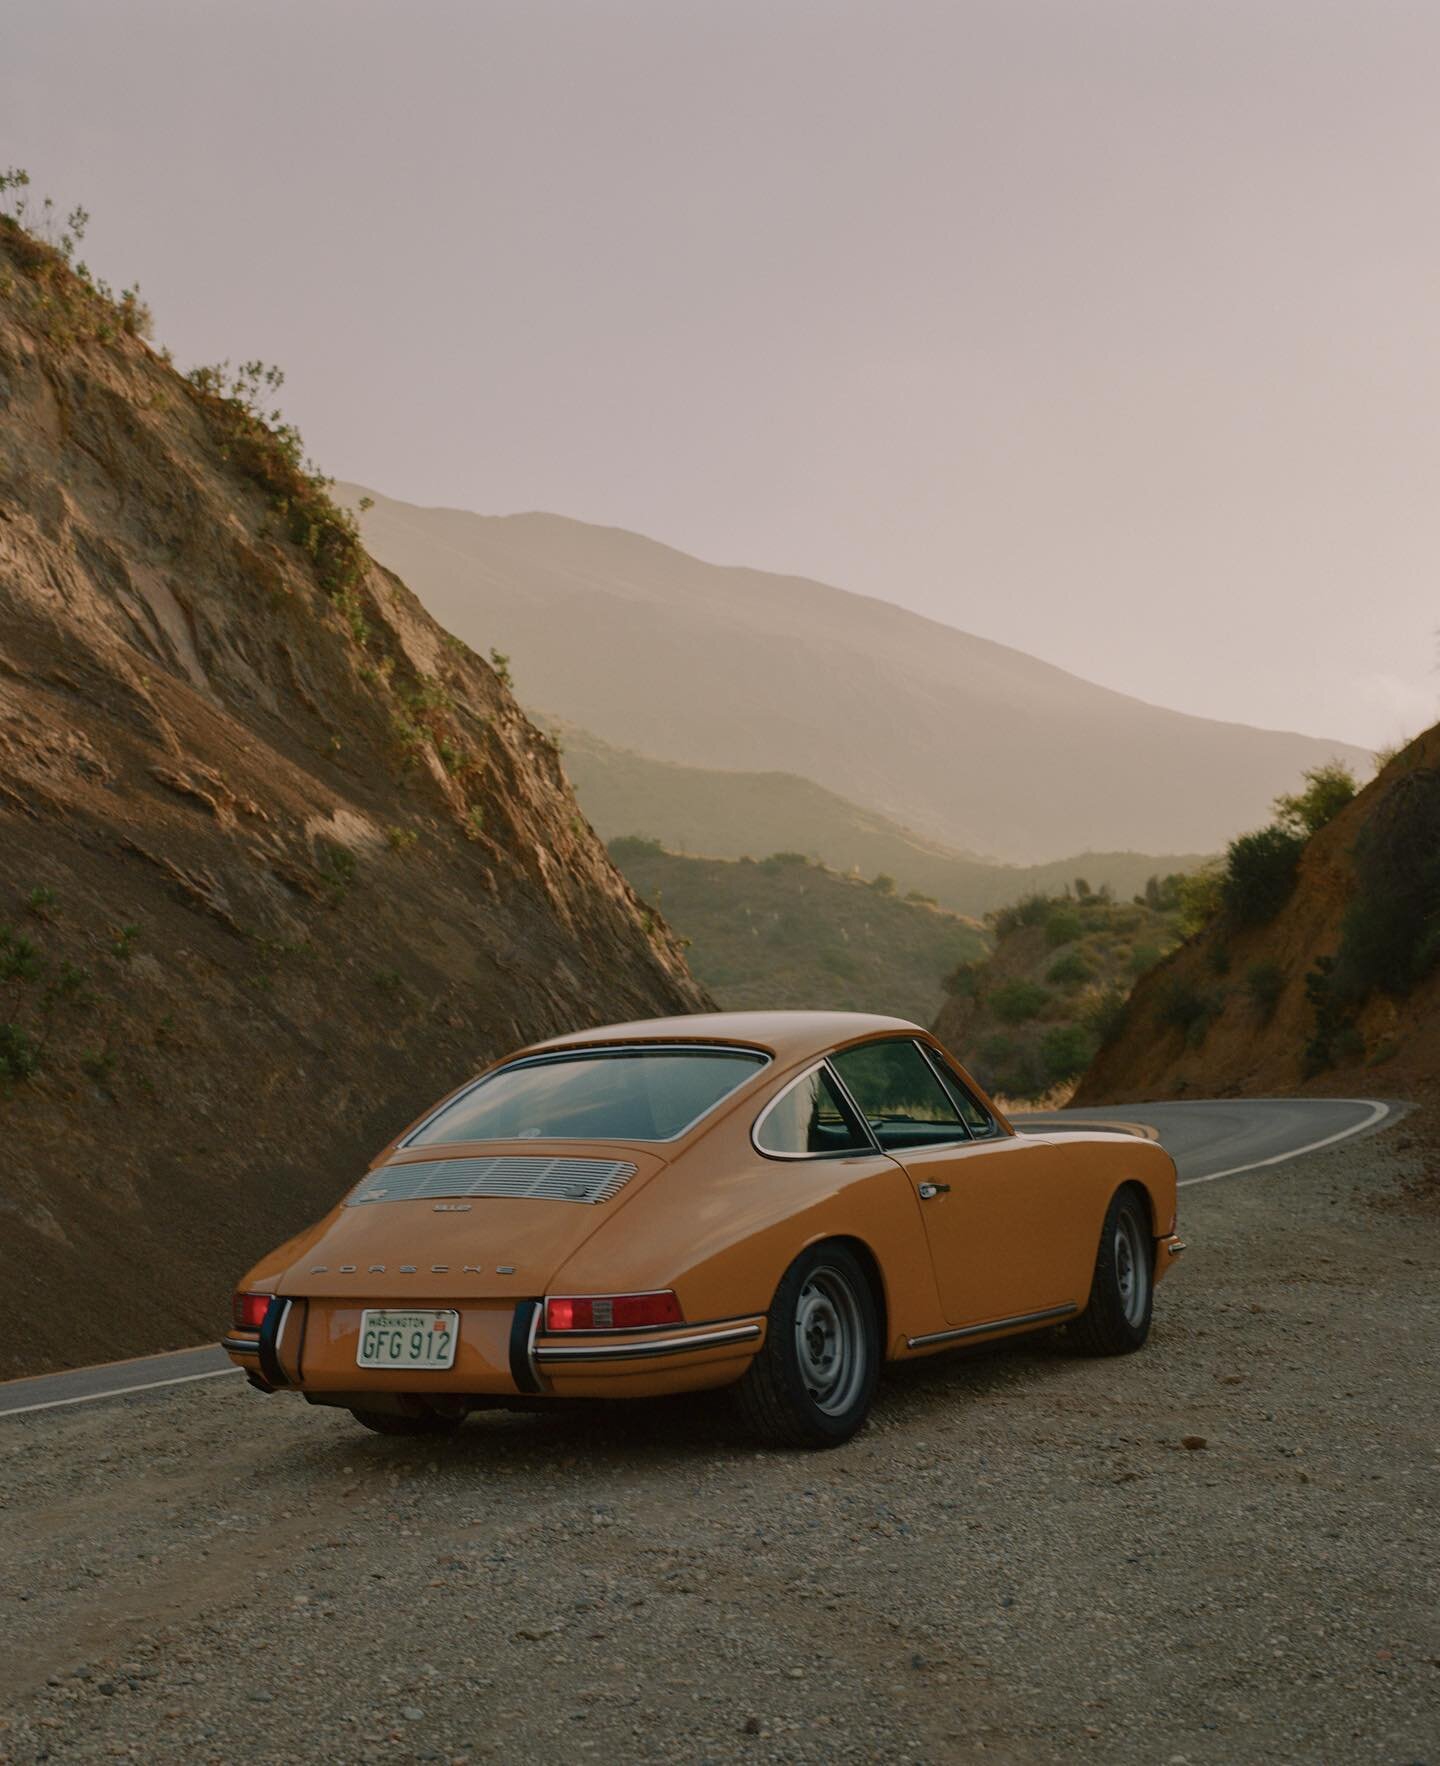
{"x": 772, "y": 1201}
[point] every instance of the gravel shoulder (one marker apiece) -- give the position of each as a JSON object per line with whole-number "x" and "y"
{"x": 1020, "y": 1560}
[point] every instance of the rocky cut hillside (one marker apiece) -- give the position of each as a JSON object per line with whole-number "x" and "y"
{"x": 1318, "y": 968}
{"x": 279, "y": 859}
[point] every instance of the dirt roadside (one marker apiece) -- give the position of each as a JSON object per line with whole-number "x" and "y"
{"x": 1019, "y": 1560}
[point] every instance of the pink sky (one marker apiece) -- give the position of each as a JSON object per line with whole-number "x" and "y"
{"x": 1106, "y": 328}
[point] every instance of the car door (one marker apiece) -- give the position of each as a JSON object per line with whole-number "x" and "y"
{"x": 984, "y": 1195}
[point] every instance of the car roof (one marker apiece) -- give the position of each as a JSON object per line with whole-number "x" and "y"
{"x": 787, "y": 1035}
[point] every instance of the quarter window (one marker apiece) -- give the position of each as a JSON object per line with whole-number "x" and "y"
{"x": 809, "y": 1119}
{"x": 900, "y": 1095}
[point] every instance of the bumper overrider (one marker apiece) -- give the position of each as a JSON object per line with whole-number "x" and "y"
{"x": 503, "y": 1351}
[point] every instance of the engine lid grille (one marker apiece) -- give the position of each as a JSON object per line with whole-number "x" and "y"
{"x": 501, "y": 1174}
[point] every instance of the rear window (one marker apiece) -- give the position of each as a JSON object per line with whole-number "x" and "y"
{"x": 613, "y": 1094}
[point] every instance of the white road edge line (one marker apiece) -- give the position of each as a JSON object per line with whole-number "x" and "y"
{"x": 1378, "y": 1113}
{"x": 213, "y": 1373}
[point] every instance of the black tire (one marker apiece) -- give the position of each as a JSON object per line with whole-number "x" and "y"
{"x": 813, "y": 1380}
{"x": 390, "y": 1422}
{"x": 1122, "y": 1293}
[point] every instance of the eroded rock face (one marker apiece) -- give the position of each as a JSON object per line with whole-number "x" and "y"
{"x": 279, "y": 860}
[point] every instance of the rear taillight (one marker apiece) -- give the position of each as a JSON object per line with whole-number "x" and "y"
{"x": 612, "y": 1312}
{"x": 248, "y": 1311}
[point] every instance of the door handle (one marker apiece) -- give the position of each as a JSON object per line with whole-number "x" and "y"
{"x": 929, "y": 1191}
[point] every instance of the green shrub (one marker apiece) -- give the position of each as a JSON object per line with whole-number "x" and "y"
{"x": 628, "y": 846}
{"x": 1184, "y": 1007}
{"x": 19, "y": 959}
{"x": 1143, "y": 957}
{"x": 19, "y": 1053}
{"x": 1327, "y": 790}
{"x": 883, "y": 884}
{"x": 1265, "y": 982}
{"x": 1065, "y": 1052}
{"x": 1031, "y": 910}
{"x": 1390, "y": 936}
{"x": 1018, "y": 1001}
{"x": 1163, "y": 894}
{"x": 997, "y": 1049}
{"x": 1071, "y": 970}
{"x": 1063, "y": 927}
{"x": 1260, "y": 871}
{"x": 1107, "y": 1012}
{"x": 1199, "y": 898}
{"x": 964, "y": 978}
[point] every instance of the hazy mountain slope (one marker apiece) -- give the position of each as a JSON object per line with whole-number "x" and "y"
{"x": 964, "y": 740}
{"x": 278, "y": 860}
{"x": 735, "y": 815}
{"x": 783, "y": 932}
{"x": 1302, "y": 1001}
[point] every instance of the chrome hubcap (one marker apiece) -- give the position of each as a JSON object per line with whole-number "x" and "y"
{"x": 830, "y": 1341}
{"x": 1132, "y": 1272}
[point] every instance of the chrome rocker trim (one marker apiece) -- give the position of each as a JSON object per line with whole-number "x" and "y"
{"x": 1048, "y": 1316}
{"x": 638, "y": 1351}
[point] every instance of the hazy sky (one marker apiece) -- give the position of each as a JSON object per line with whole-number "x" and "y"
{"x": 1107, "y": 328}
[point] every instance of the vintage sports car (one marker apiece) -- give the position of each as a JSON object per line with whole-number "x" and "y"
{"x": 772, "y": 1201}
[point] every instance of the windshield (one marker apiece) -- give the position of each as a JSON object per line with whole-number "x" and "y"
{"x": 612, "y": 1094}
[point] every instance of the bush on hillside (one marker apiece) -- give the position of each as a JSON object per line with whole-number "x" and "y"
{"x": 1327, "y": 790}
{"x": 1019, "y": 1001}
{"x": 1260, "y": 872}
{"x": 1066, "y": 1051}
{"x": 1390, "y": 937}
{"x": 1143, "y": 957}
{"x": 1063, "y": 927}
{"x": 1162, "y": 894}
{"x": 1199, "y": 896}
{"x": 1184, "y": 1007}
{"x": 1107, "y": 1012}
{"x": 1070, "y": 971}
{"x": 1265, "y": 982}
{"x": 632, "y": 846}
{"x": 1032, "y": 910}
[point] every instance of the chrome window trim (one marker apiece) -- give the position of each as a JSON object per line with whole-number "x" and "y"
{"x": 822, "y": 1065}
{"x": 992, "y": 1132}
{"x": 555, "y": 1056}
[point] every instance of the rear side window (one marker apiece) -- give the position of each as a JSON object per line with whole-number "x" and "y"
{"x": 613, "y": 1094}
{"x": 900, "y": 1095}
{"x": 809, "y": 1119}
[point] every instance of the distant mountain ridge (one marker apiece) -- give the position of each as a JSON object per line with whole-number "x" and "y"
{"x": 727, "y": 815}
{"x": 964, "y": 740}
{"x": 785, "y": 932}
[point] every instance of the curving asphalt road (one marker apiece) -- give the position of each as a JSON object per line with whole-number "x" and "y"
{"x": 1208, "y": 1139}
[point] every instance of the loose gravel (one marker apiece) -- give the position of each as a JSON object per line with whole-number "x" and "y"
{"x": 1222, "y": 1549}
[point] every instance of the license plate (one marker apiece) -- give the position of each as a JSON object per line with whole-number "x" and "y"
{"x": 396, "y": 1338}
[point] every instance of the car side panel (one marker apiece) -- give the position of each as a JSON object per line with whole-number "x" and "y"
{"x": 722, "y": 1225}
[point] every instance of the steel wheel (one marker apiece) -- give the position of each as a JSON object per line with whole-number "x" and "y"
{"x": 830, "y": 1341}
{"x": 1132, "y": 1268}
{"x": 812, "y": 1379}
